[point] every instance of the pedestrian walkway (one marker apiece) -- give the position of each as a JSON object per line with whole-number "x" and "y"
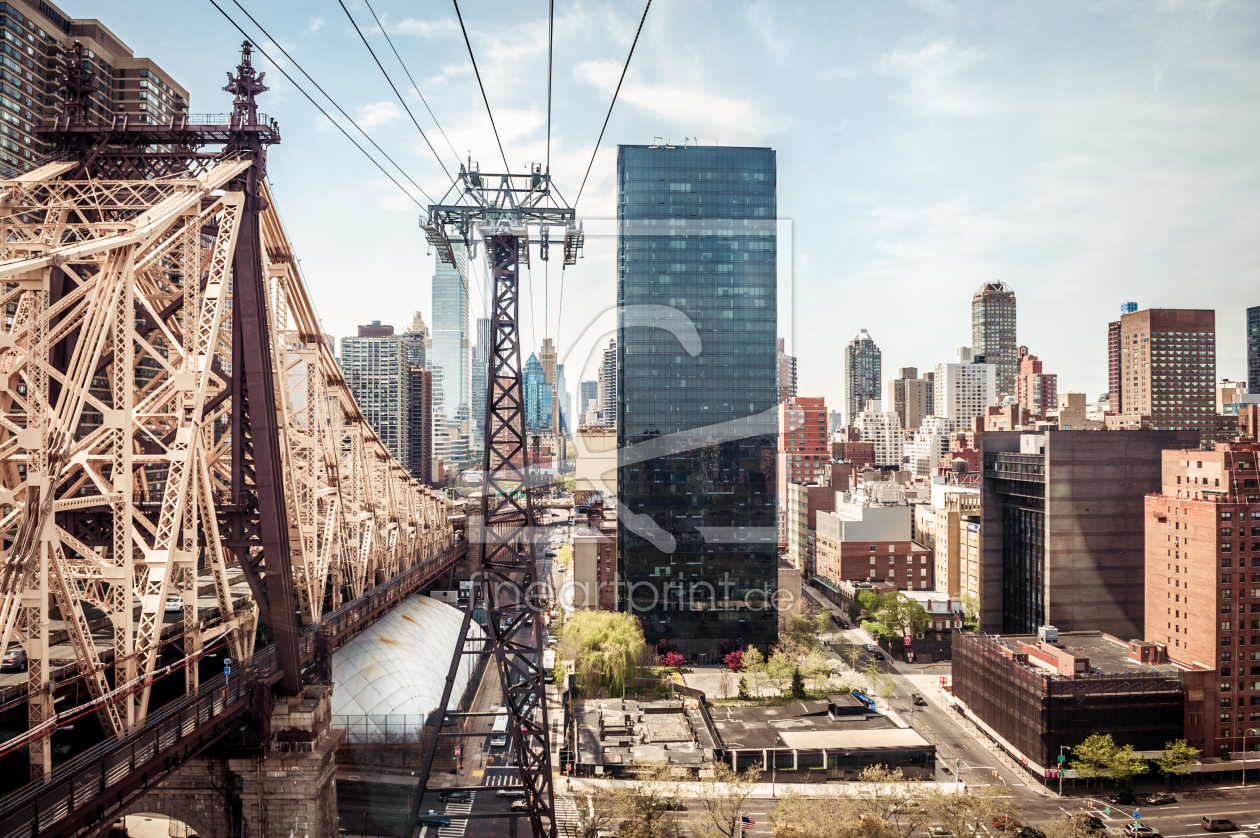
{"x": 566, "y": 815}
{"x": 457, "y": 826}
{"x": 497, "y": 779}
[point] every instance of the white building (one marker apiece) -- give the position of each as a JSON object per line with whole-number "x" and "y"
{"x": 931, "y": 443}
{"x": 884, "y": 429}
{"x": 964, "y": 389}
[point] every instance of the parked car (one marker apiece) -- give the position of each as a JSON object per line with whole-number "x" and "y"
{"x": 1122, "y": 798}
{"x": 870, "y": 647}
{"x": 14, "y": 660}
{"x": 510, "y": 793}
{"x": 879, "y": 656}
{"x": 1159, "y": 798}
{"x": 174, "y": 603}
{"x": 1218, "y": 823}
{"x": 842, "y": 624}
{"x": 941, "y": 832}
{"x": 549, "y": 678}
{"x": 918, "y": 699}
{"x": 674, "y": 805}
{"x": 1140, "y": 830}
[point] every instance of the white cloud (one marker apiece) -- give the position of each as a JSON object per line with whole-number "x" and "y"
{"x": 709, "y": 116}
{"x": 377, "y": 114}
{"x": 439, "y": 28}
{"x": 931, "y": 73}
{"x": 316, "y": 24}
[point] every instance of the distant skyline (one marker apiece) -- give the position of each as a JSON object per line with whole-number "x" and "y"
{"x": 1084, "y": 153}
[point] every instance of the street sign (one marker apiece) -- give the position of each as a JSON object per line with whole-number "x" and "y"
{"x": 1137, "y": 814}
{"x": 458, "y": 750}
{"x": 1062, "y": 758}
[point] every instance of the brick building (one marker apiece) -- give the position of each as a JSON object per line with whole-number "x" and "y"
{"x": 802, "y": 450}
{"x": 859, "y": 453}
{"x": 1203, "y": 584}
{"x": 1035, "y": 389}
{"x": 903, "y": 564}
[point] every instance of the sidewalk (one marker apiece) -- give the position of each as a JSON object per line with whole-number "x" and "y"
{"x": 771, "y": 791}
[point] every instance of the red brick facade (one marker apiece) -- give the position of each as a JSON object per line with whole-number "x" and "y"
{"x": 1203, "y": 587}
{"x": 903, "y": 564}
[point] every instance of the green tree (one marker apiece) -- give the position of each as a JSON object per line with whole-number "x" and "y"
{"x": 1073, "y": 825}
{"x": 647, "y": 803}
{"x": 1177, "y": 758}
{"x": 755, "y": 670}
{"x": 1093, "y": 757}
{"x": 1126, "y": 764}
{"x": 779, "y": 670}
{"x": 605, "y": 647}
{"x": 801, "y": 629}
{"x": 816, "y": 669}
{"x": 971, "y": 611}
{"x": 798, "y": 683}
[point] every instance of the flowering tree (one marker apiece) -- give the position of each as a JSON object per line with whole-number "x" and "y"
{"x": 673, "y": 660}
{"x": 735, "y": 660}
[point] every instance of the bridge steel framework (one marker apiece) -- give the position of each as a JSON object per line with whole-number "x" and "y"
{"x": 170, "y": 407}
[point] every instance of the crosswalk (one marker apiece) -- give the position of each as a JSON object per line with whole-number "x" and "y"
{"x": 512, "y": 779}
{"x": 566, "y": 815}
{"x": 457, "y": 826}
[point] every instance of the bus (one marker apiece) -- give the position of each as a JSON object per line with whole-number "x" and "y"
{"x": 549, "y": 660}
{"x": 498, "y": 735}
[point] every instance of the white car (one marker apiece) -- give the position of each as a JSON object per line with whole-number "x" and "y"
{"x": 174, "y": 603}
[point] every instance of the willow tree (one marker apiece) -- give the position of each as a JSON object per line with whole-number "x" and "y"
{"x": 605, "y": 648}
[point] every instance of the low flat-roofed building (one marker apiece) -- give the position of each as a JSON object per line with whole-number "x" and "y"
{"x": 842, "y": 735}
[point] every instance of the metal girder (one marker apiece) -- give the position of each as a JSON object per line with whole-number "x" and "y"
{"x": 169, "y": 407}
{"x": 504, "y": 564}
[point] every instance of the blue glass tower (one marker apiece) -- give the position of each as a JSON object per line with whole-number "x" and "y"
{"x": 696, "y": 418}
{"x": 538, "y": 396}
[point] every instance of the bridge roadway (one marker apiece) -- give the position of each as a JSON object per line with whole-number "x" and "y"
{"x": 87, "y": 791}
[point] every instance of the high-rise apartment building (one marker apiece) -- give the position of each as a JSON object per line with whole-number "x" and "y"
{"x": 862, "y": 365}
{"x": 1035, "y": 389}
{"x": 1202, "y": 554}
{"x": 1168, "y": 369}
{"x": 608, "y": 387}
{"x": 450, "y": 354}
{"x": 416, "y": 340}
{"x": 1115, "y": 381}
{"x": 909, "y": 396}
{"x": 785, "y": 373}
{"x": 883, "y": 428}
{"x": 803, "y": 449}
{"x": 420, "y": 424}
{"x": 1062, "y": 523}
{"x": 480, "y": 381}
{"x": 37, "y": 37}
{"x": 1253, "y": 349}
{"x": 588, "y": 398}
{"x": 993, "y": 332}
{"x": 697, "y": 231}
{"x": 377, "y": 372}
{"x": 965, "y": 388}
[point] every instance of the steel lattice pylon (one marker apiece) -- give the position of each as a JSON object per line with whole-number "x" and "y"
{"x": 499, "y": 212}
{"x": 169, "y": 406}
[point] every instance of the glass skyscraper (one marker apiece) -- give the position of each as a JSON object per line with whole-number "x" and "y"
{"x": 449, "y": 352}
{"x": 863, "y": 371}
{"x": 993, "y": 332}
{"x": 695, "y": 421}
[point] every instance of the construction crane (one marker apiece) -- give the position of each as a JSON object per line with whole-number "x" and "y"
{"x": 504, "y": 212}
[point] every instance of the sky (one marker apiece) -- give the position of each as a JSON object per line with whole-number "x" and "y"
{"x": 1084, "y": 153}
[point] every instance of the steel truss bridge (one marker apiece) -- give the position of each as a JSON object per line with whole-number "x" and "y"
{"x": 170, "y": 409}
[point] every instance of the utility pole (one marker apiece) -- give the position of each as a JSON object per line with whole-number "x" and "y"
{"x": 1062, "y": 762}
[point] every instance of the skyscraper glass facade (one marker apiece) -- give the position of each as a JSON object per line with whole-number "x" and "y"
{"x": 1253, "y": 349}
{"x": 696, "y": 423}
{"x": 993, "y": 332}
{"x": 863, "y": 365}
{"x": 449, "y": 354}
{"x": 538, "y": 396}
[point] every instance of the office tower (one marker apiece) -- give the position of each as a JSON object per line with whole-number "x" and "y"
{"x": 377, "y": 372}
{"x": 480, "y": 380}
{"x": 697, "y": 231}
{"x": 1062, "y": 523}
{"x": 608, "y": 386}
{"x": 1253, "y": 349}
{"x": 861, "y": 374}
{"x": 40, "y": 35}
{"x": 785, "y": 373}
{"x": 416, "y": 340}
{"x": 449, "y": 354}
{"x": 1202, "y": 549}
{"x": 420, "y": 424}
{"x": 588, "y": 397}
{"x": 803, "y": 448}
{"x": 909, "y": 396}
{"x": 883, "y": 428}
{"x": 538, "y": 397}
{"x": 1034, "y": 388}
{"x": 562, "y": 398}
{"x": 965, "y": 388}
{"x": 993, "y": 331}
{"x": 1168, "y": 366}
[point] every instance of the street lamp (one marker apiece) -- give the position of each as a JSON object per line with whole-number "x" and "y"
{"x": 1247, "y": 731}
{"x": 1062, "y": 762}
